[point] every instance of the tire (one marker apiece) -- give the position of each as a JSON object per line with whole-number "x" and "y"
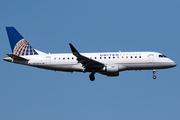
{"x": 91, "y": 77}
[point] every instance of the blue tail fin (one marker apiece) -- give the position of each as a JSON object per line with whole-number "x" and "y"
{"x": 19, "y": 45}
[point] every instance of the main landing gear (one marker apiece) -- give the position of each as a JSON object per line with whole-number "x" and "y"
{"x": 154, "y": 76}
{"x": 91, "y": 76}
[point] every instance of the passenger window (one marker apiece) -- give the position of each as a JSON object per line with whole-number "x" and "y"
{"x": 54, "y": 58}
{"x": 100, "y": 57}
{"x": 72, "y": 58}
{"x": 59, "y": 58}
{"x": 104, "y": 57}
{"x": 131, "y": 57}
{"x": 135, "y": 56}
{"x": 109, "y": 57}
{"x": 139, "y": 56}
{"x": 94, "y": 57}
{"x": 113, "y": 57}
{"x": 63, "y": 58}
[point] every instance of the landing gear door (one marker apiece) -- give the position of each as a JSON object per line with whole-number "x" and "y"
{"x": 151, "y": 58}
{"x": 48, "y": 60}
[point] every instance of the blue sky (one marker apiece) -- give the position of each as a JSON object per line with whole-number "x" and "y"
{"x": 91, "y": 26}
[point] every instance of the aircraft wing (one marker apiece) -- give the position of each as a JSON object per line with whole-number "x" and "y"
{"x": 87, "y": 62}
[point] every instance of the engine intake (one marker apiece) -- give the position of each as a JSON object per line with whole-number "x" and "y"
{"x": 112, "y": 70}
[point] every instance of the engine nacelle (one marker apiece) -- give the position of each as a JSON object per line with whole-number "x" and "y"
{"x": 112, "y": 70}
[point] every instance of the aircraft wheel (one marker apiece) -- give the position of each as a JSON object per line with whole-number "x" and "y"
{"x": 91, "y": 76}
{"x": 154, "y": 77}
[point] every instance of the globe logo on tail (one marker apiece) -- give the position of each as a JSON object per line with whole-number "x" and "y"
{"x": 23, "y": 48}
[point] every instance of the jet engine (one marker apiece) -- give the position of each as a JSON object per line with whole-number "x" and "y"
{"x": 112, "y": 70}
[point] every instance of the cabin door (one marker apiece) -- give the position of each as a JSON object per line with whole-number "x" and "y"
{"x": 151, "y": 58}
{"x": 48, "y": 60}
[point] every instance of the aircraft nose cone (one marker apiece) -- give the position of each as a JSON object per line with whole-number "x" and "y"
{"x": 173, "y": 64}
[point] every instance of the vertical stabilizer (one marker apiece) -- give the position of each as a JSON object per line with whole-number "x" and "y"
{"x": 19, "y": 45}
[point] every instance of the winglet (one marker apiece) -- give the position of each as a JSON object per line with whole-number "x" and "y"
{"x": 73, "y": 49}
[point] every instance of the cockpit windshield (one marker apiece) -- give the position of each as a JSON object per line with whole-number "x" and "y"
{"x": 162, "y": 56}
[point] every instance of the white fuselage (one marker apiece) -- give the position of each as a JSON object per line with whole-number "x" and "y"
{"x": 123, "y": 61}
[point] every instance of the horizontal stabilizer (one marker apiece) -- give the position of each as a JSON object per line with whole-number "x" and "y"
{"x": 13, "y": 56}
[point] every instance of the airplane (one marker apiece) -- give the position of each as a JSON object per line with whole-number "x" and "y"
{"x": 106, "y": 63}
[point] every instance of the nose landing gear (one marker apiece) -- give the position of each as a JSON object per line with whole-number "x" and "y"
{"x": 154, "y": 76}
